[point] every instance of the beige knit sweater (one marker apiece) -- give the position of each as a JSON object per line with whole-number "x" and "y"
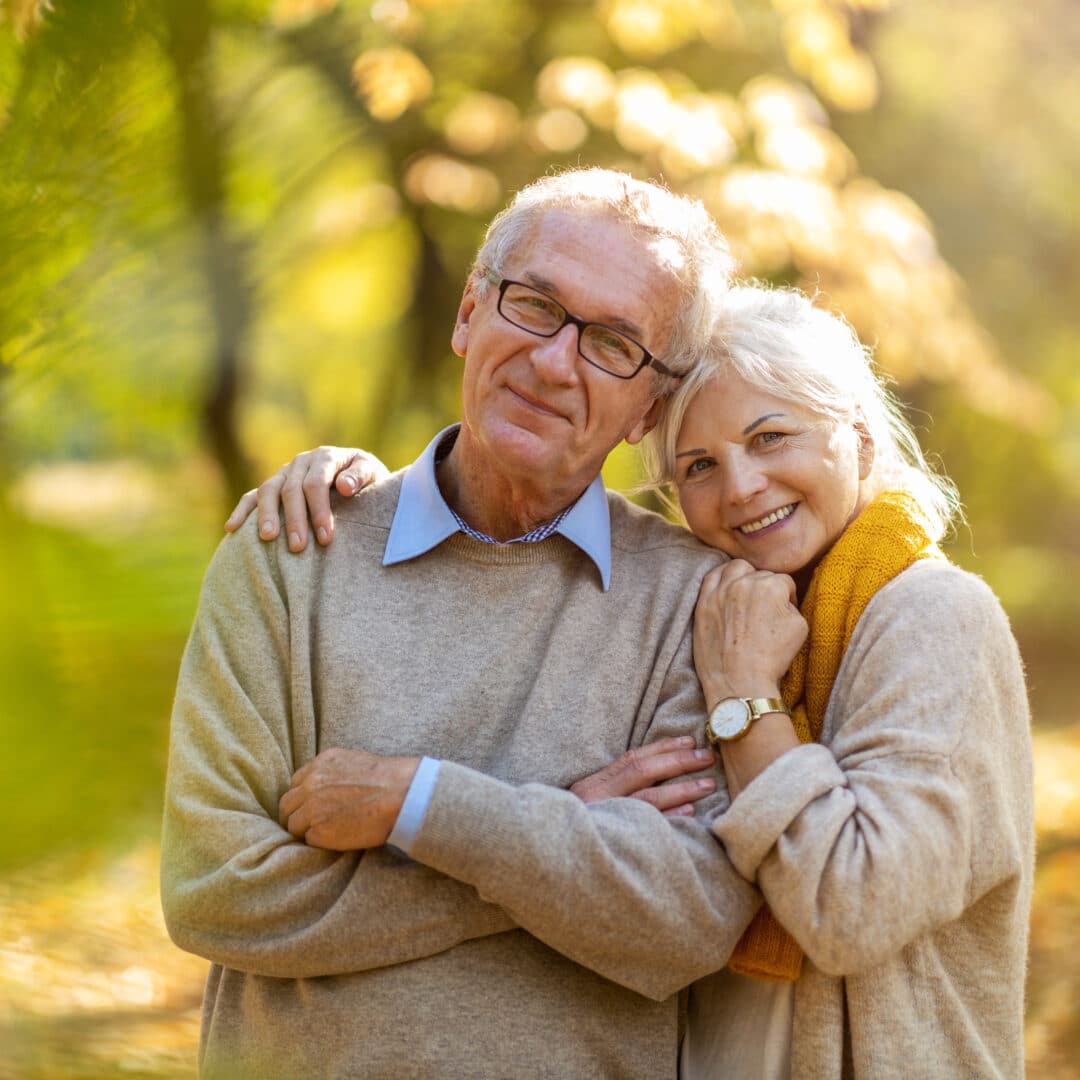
{"x": 543, "y": 937}
{"x": 899, "y": 851}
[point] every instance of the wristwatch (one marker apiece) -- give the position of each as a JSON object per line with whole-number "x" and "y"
{"x": 732, "y": 717}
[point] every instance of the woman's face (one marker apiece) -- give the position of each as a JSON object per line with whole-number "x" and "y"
{"x": 766, "y": 480}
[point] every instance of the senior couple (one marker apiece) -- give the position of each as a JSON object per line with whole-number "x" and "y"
{"x": 514, "y": 778}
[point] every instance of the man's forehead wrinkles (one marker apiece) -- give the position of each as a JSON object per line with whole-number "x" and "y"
{"x": 617, "y": 322}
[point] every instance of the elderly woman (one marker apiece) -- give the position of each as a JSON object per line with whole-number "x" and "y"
{"x": 867, "y": 702}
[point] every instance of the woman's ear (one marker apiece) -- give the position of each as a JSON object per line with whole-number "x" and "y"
{"x": 866, "y": 449}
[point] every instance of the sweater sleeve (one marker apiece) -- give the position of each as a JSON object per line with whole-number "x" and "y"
{"x": 921, "y": 802}
{"x": 649, "y": 902}
{"x": 236, "y": 887}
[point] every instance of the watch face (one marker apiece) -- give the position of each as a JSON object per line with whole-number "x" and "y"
{"x": 729, "y": 719}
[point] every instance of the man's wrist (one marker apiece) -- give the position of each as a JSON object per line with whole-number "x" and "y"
{"x": 414, "y": 805}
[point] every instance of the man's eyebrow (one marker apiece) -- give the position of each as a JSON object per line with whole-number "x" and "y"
{"x": 616, "y": 322}
{"x": 761, "y": 420}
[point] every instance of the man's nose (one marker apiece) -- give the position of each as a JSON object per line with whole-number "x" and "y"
{"x": 556, "y": 358}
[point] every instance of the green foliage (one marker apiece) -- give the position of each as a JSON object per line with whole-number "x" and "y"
{"x": 92, "y": 632}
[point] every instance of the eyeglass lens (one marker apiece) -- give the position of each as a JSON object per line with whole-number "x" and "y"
{"x": 600, "y": 345}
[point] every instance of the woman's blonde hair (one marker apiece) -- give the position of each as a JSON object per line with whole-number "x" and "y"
{"x": 777, "y": 340}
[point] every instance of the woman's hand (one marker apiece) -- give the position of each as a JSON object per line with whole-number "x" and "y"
{"x": 747, "y": 630}
{"x": 638, "y": 774}
{"x": 303, "y": 488}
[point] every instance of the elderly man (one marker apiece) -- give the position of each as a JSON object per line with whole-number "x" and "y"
{"x": 369, "y": 910}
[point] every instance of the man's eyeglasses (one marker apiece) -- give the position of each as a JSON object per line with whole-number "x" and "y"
{"x": 602, "y": 346}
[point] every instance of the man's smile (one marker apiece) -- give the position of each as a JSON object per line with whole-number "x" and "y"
{"x": 535, "y": 404}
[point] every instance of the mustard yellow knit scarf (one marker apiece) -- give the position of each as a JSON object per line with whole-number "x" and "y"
{"x": 885, "y": 539}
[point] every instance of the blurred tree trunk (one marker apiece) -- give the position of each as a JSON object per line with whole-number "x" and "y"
{"x": 202, "y": 172}
{"x": 323, "y": 45}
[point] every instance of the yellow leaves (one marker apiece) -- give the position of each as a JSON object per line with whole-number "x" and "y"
{"x": 868, "y": 251}
{"x": 1057, "y": 788}
{"x": 456, "y": 185}
{"x": 291, "y": 12}
{"x": 689, "y": 133}
{"x": 807, "y": 151}
{"x": 643, "y": 111}
{"x": 351, "y": 209}
{"x": 650, "y": 28}
{"x": 83, "y": 946}
{"x": 25, "y": 15}
{"x": 398, "y": 16}
{"x": 1050, "y": 1034}
{"x": 557, "y": 131}
{"x": 848, "y": 80}
{"x": 482, "y": 123}
{"x": 770, "y": 101}
{"x": 577, "y": 82}
{"x": 817, "y": 41}
{"x": 391, "y": 80}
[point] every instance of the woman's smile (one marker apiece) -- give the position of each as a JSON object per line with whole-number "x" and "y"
{"x": 765, "y": 523}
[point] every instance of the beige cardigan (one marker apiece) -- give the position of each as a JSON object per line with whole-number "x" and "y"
{"x": 899, "y": 851}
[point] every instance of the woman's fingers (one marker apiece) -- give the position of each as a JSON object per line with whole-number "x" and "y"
{"x": 364, "y": 469}
{"x": 724, "y": 575}
{"x": 302, "y": 489}
{"x": 296, "y": 494}
{"x": 248, "y": 502}
{"x": 640, "y": 769}
{"x": 673, "y": 798}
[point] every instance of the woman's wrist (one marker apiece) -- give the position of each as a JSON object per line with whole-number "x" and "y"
{"x": 717, "y": 691}
{"x": 768, "y": 739}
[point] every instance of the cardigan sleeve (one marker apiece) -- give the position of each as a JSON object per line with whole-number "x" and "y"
{"x": 236, "y": 887}
{"x": 918, "y": 801}
{"x": 650, "y": 902}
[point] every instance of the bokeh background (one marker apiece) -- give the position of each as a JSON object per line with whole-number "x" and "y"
{"x": 232, "y": 229}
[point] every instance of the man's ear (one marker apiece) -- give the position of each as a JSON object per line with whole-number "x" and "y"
{"x": 459, "y": 339}
{"x": 647, "y": 422}
{"x": 866, "y": 449}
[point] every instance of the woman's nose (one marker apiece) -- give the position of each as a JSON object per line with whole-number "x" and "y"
{"x": 744, "y": 479}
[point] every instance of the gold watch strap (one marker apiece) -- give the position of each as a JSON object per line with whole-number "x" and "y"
{"x": 759, "y": 706}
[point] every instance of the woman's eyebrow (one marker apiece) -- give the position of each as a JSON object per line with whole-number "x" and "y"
{"x": 761, "y": 420}
{"x": 689, "y": 453}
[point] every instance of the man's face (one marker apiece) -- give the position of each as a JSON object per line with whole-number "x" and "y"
{"x": 534, "y": 406}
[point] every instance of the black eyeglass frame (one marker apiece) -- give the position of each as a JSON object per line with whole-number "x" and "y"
{"x": 647, "y": 358}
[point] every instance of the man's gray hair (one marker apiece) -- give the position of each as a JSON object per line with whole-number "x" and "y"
{"x": 677, "y": 228}
{"x": 777, "y": 340}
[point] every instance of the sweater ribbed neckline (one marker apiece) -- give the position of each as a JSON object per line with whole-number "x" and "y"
{"x": 534, "y": 553}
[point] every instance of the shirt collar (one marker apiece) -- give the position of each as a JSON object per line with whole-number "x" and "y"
{"x": 423, "y": 520}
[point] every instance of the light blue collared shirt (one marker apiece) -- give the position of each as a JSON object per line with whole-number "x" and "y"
{"x": 422, "y": 521}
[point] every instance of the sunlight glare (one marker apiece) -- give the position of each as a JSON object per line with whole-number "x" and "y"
{"x": 390, "y": 81}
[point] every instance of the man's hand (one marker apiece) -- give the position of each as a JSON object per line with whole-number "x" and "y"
{"x": 303, "y": 487}
{"x": 346, "y": 800}
{"x": 638, "y": 774}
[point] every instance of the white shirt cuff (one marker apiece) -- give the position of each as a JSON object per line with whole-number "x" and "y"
{"x": 411, "y": 815}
